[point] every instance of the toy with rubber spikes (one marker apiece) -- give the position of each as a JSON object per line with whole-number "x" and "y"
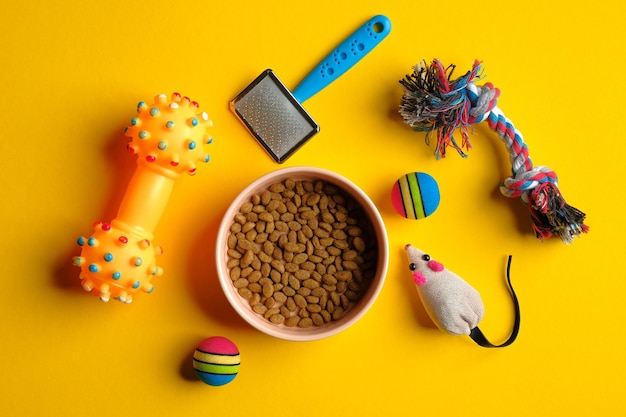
{"x": 119, "y": 258}
{"x": 435, "y": 102}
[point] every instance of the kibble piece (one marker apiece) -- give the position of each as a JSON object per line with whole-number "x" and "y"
{"x": 329, "y": 279}
{"x": 317, "y": 318}
{"x": 254, "y": 299}
{"x": 343, "y": 275}
{"x": 294, "y": 282}
{"x": 235, "y": 273}
{"x": 359, "y": 244}
{"x": 310, "y": 283}
{"x": 327, "y": 227}
{"x": 245, "y": 293}
{"x": 268, "y": 290}
{"x": 259, "y": 308}
{"x": 241, "y": 283}
{"x": 269, "y": 302}
{"x": 266, "y": 196}
{"x": 341, "y": 244}
{"x": 262, "y": 235}
{"x": 294, "y": 247}
{"x": 313, "y": 308}
{"x": 351, "y": 295}
{"x": 350, "y": 265}
{"x": 345, "y": 301}
{"x": 247, "y": 227}
{"x": 270, "y": 312}
{"x": 277, "y": 265}
{"x": 246, "y": 207}
{"x": 232, "y": 241}
{"x": 287, "y": 217}
{"x": 300, "y": 301}
{"x": 338, "y": 313}
{"x": 350, "y": 255}
{"x": 305, "y": 323}
{"x": 304, "y": 291}
{"x": 266, "y": 216}
{"x": 312, "y": 299}
{"x": 308, "y": 214}
{"x": 265, "y": 270}
{"x": 292, "y": 321}
{"x": 244, "y": 244}
{"x": 326, "y": 316}
{"x": 321, "y": 233}
{"x": 291, "y": 304}
{"x": 277, "y": 318}
{"x": 307, "y": 265}
{"x": 247, "y": 258}
{"x": 300, "y": 258}
{"x": 280, "y": 297}
{"x": 334, "y": 250}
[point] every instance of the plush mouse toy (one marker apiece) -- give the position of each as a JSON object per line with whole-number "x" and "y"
{"x": 453, "y": 305}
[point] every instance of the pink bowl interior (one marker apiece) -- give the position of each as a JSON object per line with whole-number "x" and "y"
{"x": 353, "y": 314}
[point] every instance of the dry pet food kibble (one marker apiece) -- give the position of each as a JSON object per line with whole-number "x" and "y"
{"x": 302, "y": 253}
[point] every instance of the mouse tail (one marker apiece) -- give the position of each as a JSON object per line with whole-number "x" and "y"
{"x": 477, "y": 335}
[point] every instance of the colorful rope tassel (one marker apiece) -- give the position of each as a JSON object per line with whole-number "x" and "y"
{"x": 434, "y": 102}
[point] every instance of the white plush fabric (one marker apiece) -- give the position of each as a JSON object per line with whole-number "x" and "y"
{"x": 453, "y": 305}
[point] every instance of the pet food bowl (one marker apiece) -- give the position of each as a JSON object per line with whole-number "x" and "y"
{"x": 366, "y": 287}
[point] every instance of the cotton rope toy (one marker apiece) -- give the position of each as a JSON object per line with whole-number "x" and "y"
{"x": 433, "y": 101}
{"x": 119, "y": 258}
{"x": 453, "y": 304}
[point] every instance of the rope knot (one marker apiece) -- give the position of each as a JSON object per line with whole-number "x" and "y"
{"x": 483, "y": 99}
{"x": 433, "y": 101}
{"x": 523, "y": 183}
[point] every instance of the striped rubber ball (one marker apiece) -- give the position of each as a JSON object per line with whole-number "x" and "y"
{"x": 216, "y": 361}
{"x": 415, "y": 195}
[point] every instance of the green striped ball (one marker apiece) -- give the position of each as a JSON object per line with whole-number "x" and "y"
{"x": 216, "y": 361}
{"x": 415, "y": 195}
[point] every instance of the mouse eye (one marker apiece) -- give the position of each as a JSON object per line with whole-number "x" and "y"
{"x": 426, "y": 257}
{"x": 412, "y": 267}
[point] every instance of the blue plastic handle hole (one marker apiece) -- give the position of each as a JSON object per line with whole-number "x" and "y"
{"x": 360, "y": 47}
{"x": 330, "y": 71}
{"x": 343, "y": 55}
{"x": 378, "y": 27}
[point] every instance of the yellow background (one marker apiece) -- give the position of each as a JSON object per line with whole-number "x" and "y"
{"x": 71, "y": 75}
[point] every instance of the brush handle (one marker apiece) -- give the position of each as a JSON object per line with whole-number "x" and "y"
{"x": 343, "y": 57}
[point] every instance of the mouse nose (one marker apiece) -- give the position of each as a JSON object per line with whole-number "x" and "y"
{"x": 408, "y": 245}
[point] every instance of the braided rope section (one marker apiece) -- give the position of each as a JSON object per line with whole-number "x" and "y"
{"x": 434, "y": 102}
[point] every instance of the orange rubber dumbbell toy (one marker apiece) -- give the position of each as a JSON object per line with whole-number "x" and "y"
{"x": 119, "y": 258}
